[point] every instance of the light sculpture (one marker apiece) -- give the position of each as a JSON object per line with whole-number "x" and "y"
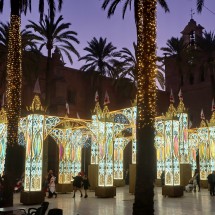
{"x": 193, "y": 148}
{"x": 172, "y": 163}
{"x": 106, "y": 126}
{"x": 212, "y": 138}
{"x": 160, "y": 145}
{"x": 34, "y": 147}
{"x": 131, "y": 115}
{"x": 70, "y": 139}
{"x": 37, "y": 127}
{"x": 3, "y": 139}
{"x": 183, "y": 131}
{"x": 204, "y": 149}
{"x": 119, "y": 146}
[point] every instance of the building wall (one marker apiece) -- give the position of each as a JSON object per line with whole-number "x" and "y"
{"x": 196, "y": 87}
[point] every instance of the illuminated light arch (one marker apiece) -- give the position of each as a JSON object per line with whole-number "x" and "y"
{"x": 193, "y": 148}
{"x": 128, "y": 116}
{"x": 108, "y": 139}
{"x": 160, "y": 145}
{"x": 119, "y": 146}
{"x": 183, "y": 130}
{"x": 204, "y": 153}
{"x": 3, "y": 138}
{"x": 70, "y": 143}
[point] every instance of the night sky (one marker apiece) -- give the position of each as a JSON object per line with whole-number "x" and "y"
{"x": 89, "y": 20}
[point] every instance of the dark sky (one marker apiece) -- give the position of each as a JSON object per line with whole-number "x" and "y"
{"x": 89, "y": 20}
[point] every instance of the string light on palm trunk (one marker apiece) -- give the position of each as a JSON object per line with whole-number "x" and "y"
{"x": 146, "y": 58}
{"x": 14, "y": 79}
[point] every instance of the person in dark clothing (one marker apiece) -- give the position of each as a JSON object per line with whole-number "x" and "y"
{"x": 86, "y": 184}
{"x": 77, "y": 184}
{"x": 211, "y": 181}
{"x": 196, "y": 180}
{"x": 163, "y": 178}
{"x": 127, "y": 177}
{"x": 1, "y": 190}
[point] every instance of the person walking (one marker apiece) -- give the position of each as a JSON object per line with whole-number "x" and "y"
{"x": 196, "y": 180}
{"x": 77, "y": 184}
{"x": 86, "y": 185}
{"x": 52, "y": 191}
{"x": 211, "y": 181}
{"x": 163, "y": 178}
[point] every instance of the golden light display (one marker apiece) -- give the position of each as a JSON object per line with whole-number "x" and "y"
{"x": 14, "y": 79}
{"x": 146, "y": 59}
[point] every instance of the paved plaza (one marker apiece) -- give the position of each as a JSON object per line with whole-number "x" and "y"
{"x": 199, "y": 203}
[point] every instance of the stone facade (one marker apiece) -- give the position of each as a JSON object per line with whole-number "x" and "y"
{"x": 194, "y": 81}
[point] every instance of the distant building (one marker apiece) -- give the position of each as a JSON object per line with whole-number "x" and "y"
{"x": 194, "y": 81}
{"x": 77, "y": 88}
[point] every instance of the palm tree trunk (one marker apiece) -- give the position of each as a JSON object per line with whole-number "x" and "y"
{"x": 48, "y": 77}
{"x": 146, "y": 105}
{"x": 14, "y": 74}
{"x": 13, "y": 95}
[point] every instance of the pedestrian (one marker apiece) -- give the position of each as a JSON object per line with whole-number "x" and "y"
{"x": 52, "y": 191}
{"x": 1, "y": 190}
{"x": 211, "y": 181}
{"x": 163, "y": 178}
{"x": 77, "y": 184}
{"x": 196, "y": 180}
{"x": 127, "y": 177}
{"x": 86, "y": 185}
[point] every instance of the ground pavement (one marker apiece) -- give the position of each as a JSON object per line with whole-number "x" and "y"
{"x": 199, "y": 203}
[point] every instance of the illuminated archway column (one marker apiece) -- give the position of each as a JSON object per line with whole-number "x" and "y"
{"x": 183, "y": 132}
{"x": 206, "y": 134}
{"x": 95, "y": 138}
{"x": 119, "y": 145}
{"x": 204, "y": 150}
{"x": 37, "y": 128}
{"x": 34, "y": 153}
{"x": 3, "y": 139}
{"x": 160, "y": 146}
{"x": 131, "y": 114}
{"x": 94, "y": 150}
{"x": 212, "y": 138}
{"x": 93, "y": 169}
{"x": 66, "y": 152}
{"x": 172, "y": 163}
{"x": 105, "y": 165}
{"x": 193, "y": 148}
{"x": 105, "y": 153}
{"x": 184, "y": 148}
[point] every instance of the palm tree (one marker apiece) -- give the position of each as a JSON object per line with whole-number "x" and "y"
{"x": 145, "y": 19}
{"x": 129, "y": 68}
{"x": 14, "y": 68}
{"x": 160, "y": 73}
{"x": 100, "y": 57}
{"x": 206, "y": 45}
{"x": 199, "y": 5}
{"x": 130, "y": 63}
{"x": 28, "y": 45}
{"x": 14, "y": 80}
{"x": 176, "y": 48}
{"x": 51, "y": 33}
